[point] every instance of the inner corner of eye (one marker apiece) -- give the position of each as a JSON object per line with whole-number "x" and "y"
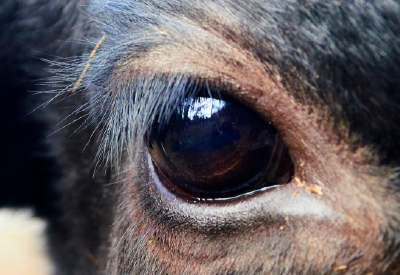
{"x": 217, "y": 149}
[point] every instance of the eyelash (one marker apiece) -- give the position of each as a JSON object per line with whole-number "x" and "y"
{"x": 124, "y": 113}
{"x": 139, "y": 105}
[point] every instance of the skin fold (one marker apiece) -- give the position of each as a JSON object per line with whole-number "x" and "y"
{"x": 326, "y": 74}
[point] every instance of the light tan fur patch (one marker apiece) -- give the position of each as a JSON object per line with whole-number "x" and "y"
{"x": 22, "y": 244}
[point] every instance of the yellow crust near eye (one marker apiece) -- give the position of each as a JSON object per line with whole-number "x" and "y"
{"x": 340, "y": 267}
{"x": 312, "y": 189}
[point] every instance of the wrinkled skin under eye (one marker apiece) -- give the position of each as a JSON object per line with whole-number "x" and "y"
{"x": 213, "y": 148}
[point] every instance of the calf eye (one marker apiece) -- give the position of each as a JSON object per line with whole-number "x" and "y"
{"x": 218, "y": 149}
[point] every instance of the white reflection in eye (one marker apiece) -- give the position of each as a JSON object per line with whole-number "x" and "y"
{"x": 202, "y": 107}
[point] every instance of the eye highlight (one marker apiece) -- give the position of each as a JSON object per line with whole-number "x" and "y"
{"x": 218, "y": 149}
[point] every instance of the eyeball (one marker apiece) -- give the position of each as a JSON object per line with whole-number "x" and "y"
{"x": 217, "y": 149}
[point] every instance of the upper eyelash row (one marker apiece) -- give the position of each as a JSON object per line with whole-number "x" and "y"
{"x": 124, "y": 113}
{"x": 137, "y": 106}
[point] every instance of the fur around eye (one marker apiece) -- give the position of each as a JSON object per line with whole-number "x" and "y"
{"x": 324, "y": 73}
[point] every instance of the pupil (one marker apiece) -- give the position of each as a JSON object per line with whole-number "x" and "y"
{"x": 213, "y": 148}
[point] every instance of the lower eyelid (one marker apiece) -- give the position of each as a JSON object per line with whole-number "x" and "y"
{"x": 266, "y": 205}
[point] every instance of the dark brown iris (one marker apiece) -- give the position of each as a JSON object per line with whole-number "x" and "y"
{"x": 213, "y": 148}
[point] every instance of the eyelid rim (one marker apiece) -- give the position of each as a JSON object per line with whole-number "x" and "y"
{"x": 258, "y": 207}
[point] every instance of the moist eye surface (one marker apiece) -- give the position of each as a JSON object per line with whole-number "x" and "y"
{"x": 214, "y": 148}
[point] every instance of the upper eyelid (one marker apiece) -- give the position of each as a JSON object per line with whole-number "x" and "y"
{"x": 136, "y": 106}
{"x": 128, "y": 94}
{"x": 152, "y": 78}
{"x": 121, "y": 83}
{"x": 136, "y": 88}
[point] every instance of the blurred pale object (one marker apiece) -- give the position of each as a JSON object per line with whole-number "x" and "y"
{"x": 22, "y": 244}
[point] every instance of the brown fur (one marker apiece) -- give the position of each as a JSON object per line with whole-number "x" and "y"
{"x": 326, "y": 74}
